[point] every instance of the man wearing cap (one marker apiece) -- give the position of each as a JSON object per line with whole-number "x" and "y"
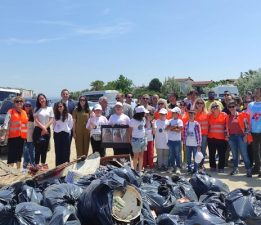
{"x": 211, "y": 99}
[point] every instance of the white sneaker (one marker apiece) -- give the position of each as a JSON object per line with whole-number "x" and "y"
{"x": 178, "y": 171}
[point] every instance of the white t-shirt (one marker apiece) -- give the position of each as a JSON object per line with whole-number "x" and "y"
{"x": 119, "y": 119}
{"x": 148, "y": 131}
{"x": 138, "y": 128}
{"x": 191, "y": 137}
{"x": 97, "y": 121}
{"x": 161, "y": 135}
{"x": 173, "y": 135}
{"x": 66, "y": 126}
{"x": 44, "y": 114}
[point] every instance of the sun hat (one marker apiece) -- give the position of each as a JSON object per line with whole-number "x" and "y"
{"x": 141, "y": 109}
{"x": 163, "y": 111}
{"x": 97, "y": 107}
{"x": 118, "y": 104}
{"x": 176, "y": 110}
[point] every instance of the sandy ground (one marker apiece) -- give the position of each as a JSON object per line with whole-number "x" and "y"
{"x": 238, "y": 181}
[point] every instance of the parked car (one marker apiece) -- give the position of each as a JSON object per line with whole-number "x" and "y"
{"x": 5, "y": 106}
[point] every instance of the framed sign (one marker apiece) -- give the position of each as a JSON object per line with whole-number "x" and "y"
{"x": 115, "y": 136}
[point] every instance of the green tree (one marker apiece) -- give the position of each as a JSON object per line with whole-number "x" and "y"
{"x": 155, "y": 85}
{"x": 123, "y": 84}
{"x": 249, "y": 81}
{"x": 170, "y": 85}
{"x": 97, "y": 85}
{"x": 111, "y": 85}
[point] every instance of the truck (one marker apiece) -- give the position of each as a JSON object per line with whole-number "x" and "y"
{"x": 219, "y": 90}
{"x": 12, "y": 92}
{"x": 94, "y": 96}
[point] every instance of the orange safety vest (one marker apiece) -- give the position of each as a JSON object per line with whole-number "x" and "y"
{"x": 17, "y": 124}
{"x": 243, "y": 121}
{"x": 217, "y": 126}
{"x": 202, "y": 119}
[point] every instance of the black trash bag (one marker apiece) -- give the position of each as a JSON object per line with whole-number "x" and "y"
{"x": 128, "y": 174}
{"x": 183, "y": 209}
{"x": 203, "y": 183}
{"x": 66, "y": 195}
{"x": 85, "y": 181}
{"x": 205, "y": 214}
{"x": 146, "y": 217}
{"x": 95, "y": 203}
{"x": 183, "y": 189}
{"x": 157, "y": 202}
{"x": 245, "y": 205}
{"x": 29, "y": 194}
{"x": 217, "y": 198}
{"x": 63, "y": 216}
{"x": 7, "y": 195}
{"x": 26, "y": 213}
{"x": 167, "y": 219}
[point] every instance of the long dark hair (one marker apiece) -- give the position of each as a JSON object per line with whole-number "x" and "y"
{"x": 30, "y": 114}
{"x": 38, "y": 104}
{"x": 57, "y": 114}
{"x": 86, "y": 105}
{"x": 139, "y": 116}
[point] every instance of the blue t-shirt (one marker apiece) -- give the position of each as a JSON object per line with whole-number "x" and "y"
{"x": 254, "y": 109}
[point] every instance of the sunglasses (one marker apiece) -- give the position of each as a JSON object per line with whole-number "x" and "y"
{"x": 82, "y": 100}
{"x": 60, "y": 106}
{"x": 19, "y": 101}
{"x": 27, "y": 106}
{"x": 226, "y": 94}
{"x": 117, "y": 98}
{"x": 200, "y": 103}
{"x": 145, "y": 98}
{"x": 129, "y": 97}
{"x": 214, "y": 107}
{"x": 160, "y": 103}
{"x": 231, "y": 106}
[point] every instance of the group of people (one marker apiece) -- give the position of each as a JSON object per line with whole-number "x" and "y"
{"x": 181, "y": 131}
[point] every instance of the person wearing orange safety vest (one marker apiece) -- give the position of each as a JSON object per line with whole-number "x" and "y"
{"x": 237, "y": 126}
{"x": 16, "y": 125}
{"x": 202, "y": 119}
{"x": 217, "y": 137}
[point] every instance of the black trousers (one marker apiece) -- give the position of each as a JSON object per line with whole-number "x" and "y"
{"x": 15, "y": 150}
{"x": 256, "y": 145}
{"x": 41, "y": 144}
{"x": 96, "y": 147}
{"x": 62, "y": 147}
{"x": 220, "y": 146}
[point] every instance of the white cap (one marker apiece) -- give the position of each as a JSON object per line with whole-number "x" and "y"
{"x": 198, "y": 157}
{"x": 97, "y": 107}
{"x": 118, "y": 104}
{"x": 163, "y": 111}
{"x": 141, "y": 109}
{"x": 176, "y": 110}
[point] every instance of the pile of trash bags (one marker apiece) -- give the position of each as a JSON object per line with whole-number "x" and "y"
{"x": 202, "y": 200}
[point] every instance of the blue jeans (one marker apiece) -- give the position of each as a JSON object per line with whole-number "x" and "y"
{"x": 191, "y": 150}
{"x": 174, "y": 153}
{"x": 29, "y": 154}
{"x": 236, "y": 142}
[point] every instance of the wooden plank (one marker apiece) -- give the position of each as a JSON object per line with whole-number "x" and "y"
{"x": 9, "y": 170}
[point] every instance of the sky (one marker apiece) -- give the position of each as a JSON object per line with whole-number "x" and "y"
{"x": 54, "y": 44}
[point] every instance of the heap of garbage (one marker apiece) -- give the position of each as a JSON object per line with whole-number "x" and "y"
{"x": 116, "y": 195}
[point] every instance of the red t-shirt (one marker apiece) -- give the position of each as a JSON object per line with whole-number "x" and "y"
{"x": 233, "y": 125}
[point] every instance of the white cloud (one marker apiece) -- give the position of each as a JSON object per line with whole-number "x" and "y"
{"x": 30, "y": 41}
{"x": 120, "y": 28}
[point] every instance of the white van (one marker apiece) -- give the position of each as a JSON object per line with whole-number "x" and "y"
{"x": 219, "y": 90}
{"x": 94, "y": 96}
